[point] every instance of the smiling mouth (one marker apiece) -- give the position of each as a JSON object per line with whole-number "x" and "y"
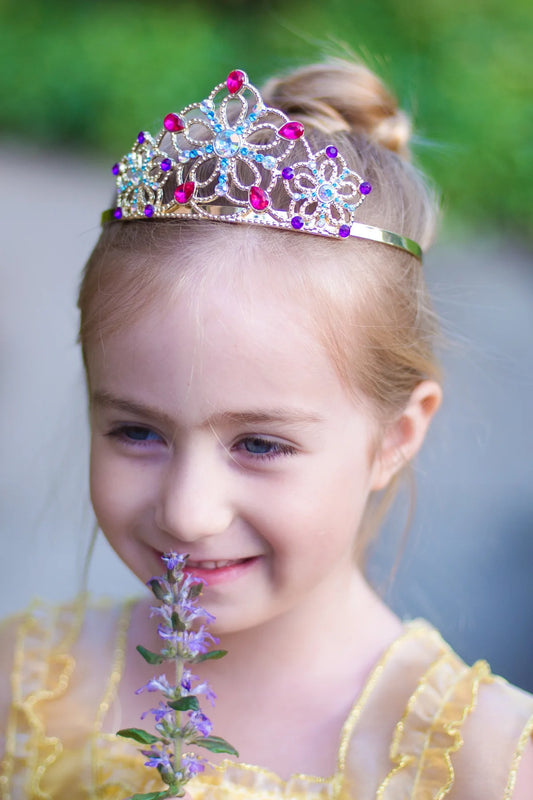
{"x": 211, "y": 565}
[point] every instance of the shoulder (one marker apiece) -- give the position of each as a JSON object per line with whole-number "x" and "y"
{"x": 442, "y": 723}
{"x": 61, "y": 635}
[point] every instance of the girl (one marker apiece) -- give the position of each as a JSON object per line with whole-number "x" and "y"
{"x": 258, "y": 348}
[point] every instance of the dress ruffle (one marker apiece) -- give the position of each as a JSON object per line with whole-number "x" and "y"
{"x": 42, "y": 670}
{"x": 430, "y": 730}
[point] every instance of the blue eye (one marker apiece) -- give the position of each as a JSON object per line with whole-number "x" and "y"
{"x": 262, "y": 449}
{"x": 139, "y": 434}
{"x": 135, "y": 434}
{"x": 259, "y": 446}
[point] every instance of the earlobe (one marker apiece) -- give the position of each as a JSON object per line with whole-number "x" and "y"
{"x": 403, "y": 438}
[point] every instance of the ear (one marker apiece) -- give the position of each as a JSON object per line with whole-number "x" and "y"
{"x": 403, "y": 437}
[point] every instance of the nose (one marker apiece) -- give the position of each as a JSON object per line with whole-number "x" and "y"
{"x": 194, "y": 499}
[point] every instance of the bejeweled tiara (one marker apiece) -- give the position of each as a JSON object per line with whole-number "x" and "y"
{"x": 233, "y": 159}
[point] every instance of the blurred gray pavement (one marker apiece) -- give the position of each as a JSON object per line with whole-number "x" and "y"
{"x": 468, "y": 561}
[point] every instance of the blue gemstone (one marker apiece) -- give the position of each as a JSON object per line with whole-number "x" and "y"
{"x": 209, "y": 148}
{"x": 252, "y": 117}
{"x": 227, "y": 143}
{"x": 244, "y": 151}
{"x": 218, "y": 127}
{"x": 239, "y": 129}
{"x": 259, "y": 157}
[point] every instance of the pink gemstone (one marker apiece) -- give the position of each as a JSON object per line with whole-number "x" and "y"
{"x": 173, "y": 123}
{"x": 235, "y": 81}
{"x": 184, "y": 192}
{"x": 291, "y": 131}
{"x": 259, "y": 199}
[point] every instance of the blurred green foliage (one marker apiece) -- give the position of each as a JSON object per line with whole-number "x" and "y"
{"x": 89, "y": 74}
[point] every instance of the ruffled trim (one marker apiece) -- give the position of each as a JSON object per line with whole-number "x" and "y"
{"x": 526, "y": 734}
{"x": 42, "y": 670}
{"x": 429, "y": 731}
{"x": 122, "y": 771}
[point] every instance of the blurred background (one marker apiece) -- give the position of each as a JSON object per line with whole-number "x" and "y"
{"x": 79, "y": 79}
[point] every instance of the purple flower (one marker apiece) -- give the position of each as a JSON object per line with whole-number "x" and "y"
{"x": 201, "y": 688}
{"x": 192, "y": 764}
{"x": 186, "y": 680}
{"x": 162, "y": 712}
{"x": 197, "y": 642}
{"x": 157, "y": 756}
{"x": 200, "y": 723}
{"x": 174, "y": 560}
{"x": 168, "y": 634}
{"x": 205, "y": 689}
{"x": 157, "y": 685}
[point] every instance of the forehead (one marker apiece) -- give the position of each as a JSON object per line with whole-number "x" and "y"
{"x": 226, "y": 343}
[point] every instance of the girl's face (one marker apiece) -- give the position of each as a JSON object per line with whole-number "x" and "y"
{"x": 223, "y": 431}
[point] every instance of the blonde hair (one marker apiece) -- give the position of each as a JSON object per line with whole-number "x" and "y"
{"x": 369, "y": 301}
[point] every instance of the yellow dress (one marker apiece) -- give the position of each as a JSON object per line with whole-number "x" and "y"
{"x": 425, "y": 727}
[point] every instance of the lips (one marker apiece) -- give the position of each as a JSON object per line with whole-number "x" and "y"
{"x": 214, "y": 564}
{"x": 219, "y": 571}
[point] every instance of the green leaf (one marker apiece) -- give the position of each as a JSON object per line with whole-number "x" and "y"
{"x": 177, "y": 624}
{"x": 187, "y": 703}
{"x": 216, "y": 745}
{"x": 211, "y": 655}
{"x": 195, "y": 591}
{"x": 158, "y": 590}
{"x": 152, "y": 658}
{"x": 150, "y": 795}
{"x": 138, "y": 735}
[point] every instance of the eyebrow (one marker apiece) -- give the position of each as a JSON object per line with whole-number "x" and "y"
{"x": 235, "y": 417}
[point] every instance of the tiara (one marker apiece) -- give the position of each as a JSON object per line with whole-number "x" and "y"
{"x": 233, "y": 159}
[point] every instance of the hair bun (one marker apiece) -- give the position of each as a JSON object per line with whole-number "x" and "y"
{"x": 342, "y": 96}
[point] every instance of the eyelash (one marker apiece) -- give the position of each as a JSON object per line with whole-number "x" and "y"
{"x": 277, "y": 449}
{"x": 121, "y": 433}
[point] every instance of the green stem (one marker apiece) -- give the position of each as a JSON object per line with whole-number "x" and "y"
{"x": 177, "y": 716}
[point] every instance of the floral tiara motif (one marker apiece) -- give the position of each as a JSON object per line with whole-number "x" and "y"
{"x": 233, "y": 159}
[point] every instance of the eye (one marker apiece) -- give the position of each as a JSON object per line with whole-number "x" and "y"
{"x": 135, "y": 434}
{"x": 258, "y": 447}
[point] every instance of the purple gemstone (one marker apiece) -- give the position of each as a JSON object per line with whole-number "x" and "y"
{"x": 297, "y": 223}
{"x": 115, "y": 169}
{"x": 288, "y": 174}
{"x": 117, "y": 213}
{"x": 140, "y": 137}
{"x": 331, "y": 151}
{"x": 166, "y": 164}
{"x": 365, "y": 187}
{"x": 148, "y": 211}
{"x": 344, "y": 231}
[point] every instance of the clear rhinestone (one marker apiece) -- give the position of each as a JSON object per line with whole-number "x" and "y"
{"x": 326, "y": 193}
{"x": 227, "y": 143}
{"x": 269, "y": 162}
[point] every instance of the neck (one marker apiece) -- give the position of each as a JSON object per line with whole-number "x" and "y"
{"x": 348, "y": 632}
